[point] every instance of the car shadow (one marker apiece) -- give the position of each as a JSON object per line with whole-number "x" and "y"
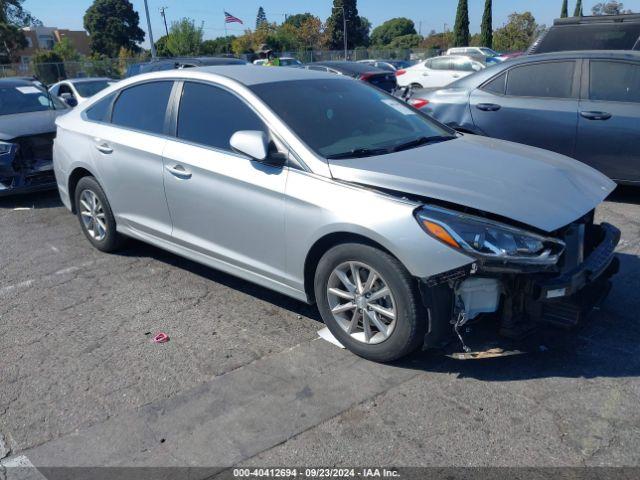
{"x": 35, "y": 200}
{"x": 139, "y": 249}
{"x": 625, "y": 194}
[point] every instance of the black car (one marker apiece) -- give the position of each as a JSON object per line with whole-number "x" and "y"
{"x": 585, "y": 105}
{"x": 175, "y": 63}
{"x": 27, "y": 129}
{"x": 377, "y": 77}
{"x": 601, "y": 32}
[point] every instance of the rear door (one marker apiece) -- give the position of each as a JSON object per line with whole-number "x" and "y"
{"x": 535, "y": 104}
{"x": 128, "y": 154}
{"x": 609, "y": 121}
{"x": 438, "y": 73}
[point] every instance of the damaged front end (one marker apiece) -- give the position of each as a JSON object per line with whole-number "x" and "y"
{"x": 519, "y": 279}
{"x": 26, "y": 164}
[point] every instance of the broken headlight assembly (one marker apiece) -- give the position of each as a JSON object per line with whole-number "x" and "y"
{"x": 487, "y": 240}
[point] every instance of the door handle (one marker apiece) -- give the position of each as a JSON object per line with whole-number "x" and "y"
{"x": 488, "y": 107}
{"x": 455, "y": 75}
{"x": 104, "y": 148}
{"x": 596, "y": 115}
{"x": 178, "y": 171}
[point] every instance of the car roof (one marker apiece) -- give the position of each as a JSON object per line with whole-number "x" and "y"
{"x": 347, "y": 66}
{"x": 247, "y": 74}
{"x": 14, "y": 82}
{"x": 87, "y": 79}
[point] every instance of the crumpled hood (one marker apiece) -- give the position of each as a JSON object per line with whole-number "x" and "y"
{"x": 31, "y": 123}
{"x": 529, "y": 185}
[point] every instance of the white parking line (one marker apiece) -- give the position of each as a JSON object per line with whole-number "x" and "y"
{"x": 11, "y": 288}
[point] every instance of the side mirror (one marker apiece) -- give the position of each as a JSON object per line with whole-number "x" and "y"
{"x": 251, "y": 142}
{"x": 69, "y": 99}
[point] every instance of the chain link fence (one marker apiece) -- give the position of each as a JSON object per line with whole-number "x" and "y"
{"x": 50, "y": 73}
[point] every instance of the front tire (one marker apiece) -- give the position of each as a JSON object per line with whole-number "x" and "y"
{"x": 96, "y": 218}
{"x": 369, "y": 302}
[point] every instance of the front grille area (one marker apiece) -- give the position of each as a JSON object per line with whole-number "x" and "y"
{"x": 33, "y": 150}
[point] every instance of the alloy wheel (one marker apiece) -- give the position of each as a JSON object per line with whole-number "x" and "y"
{"x": 361, "y": 302}
{"x": 92, "y": 215}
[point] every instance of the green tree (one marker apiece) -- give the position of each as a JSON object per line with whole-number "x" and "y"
{"x": 184, "y": 39}
{"x": 298, "y": 19}
{"x": 518, "y": 33}
{"x": 461, "y": 27}
{"x": 161, "y": 47}
{"x": 12, "y": 18}
{"x": 113, "y": 24}
{"x": 357, "y": 27}
{"x": 564, "y": 13}
{"x": 261, "y": 17}
{"x": 217, "y": 46}
{"x": 396, "y": 27}
{"x": 578, "y": 11}
{"x": 65, "y": 49}
{"x": 48, "y": 66}
{"x": 609, "y": 8}
{"x": 486, "y": 30}
{"x": 411, "y": 40}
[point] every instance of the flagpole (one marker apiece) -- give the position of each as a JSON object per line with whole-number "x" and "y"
{"x": 226, "y": 37}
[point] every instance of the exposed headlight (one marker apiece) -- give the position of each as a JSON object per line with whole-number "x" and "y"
{"x": 5, "y": 148}
{"x": 489, "y": 240}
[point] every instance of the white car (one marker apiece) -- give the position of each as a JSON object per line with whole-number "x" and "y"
{"x": 489, "y": 56}
{"x": 284, "y": 62}
{"x": 75, "y": 91}
{"x": 437, "y": 72}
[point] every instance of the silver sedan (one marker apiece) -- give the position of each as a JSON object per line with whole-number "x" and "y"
{"x": 331, "y": 191}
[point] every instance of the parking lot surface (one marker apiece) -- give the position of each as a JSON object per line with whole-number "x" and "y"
{"x": 244, "y": 380}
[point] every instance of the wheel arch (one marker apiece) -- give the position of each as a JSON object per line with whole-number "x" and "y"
{"x": 324, "y": 244}
{"x": 75, "y": 176}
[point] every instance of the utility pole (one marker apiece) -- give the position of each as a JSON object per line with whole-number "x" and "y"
{"x": 153, "y": 47}
{"x": 164, "y": 17}
{"x": 344, "y": 20}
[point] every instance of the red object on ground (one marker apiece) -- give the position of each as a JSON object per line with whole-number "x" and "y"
{"x": 160, "y": 338}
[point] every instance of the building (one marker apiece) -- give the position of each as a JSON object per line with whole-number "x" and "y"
{"x": 44, "y": 38}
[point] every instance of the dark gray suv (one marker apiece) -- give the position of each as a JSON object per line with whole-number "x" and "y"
{"x": 582, "y": 104}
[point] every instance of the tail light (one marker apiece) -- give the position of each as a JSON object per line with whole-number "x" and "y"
{"x": 418, "y": 102}
{"x": 402, "y": 71}
{"x": 366, "y": 76}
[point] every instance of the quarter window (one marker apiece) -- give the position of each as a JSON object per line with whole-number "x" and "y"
{"x": 547, "y": 80}
{"x": 496, "y": 85}
{"x": 209, "y": 116}
{"x": 615, "y": 82}
{"x": 99, "y": 111}
{"x": 143, "y": 107}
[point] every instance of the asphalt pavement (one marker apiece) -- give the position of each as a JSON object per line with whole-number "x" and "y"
{"x": 245, "y": 381}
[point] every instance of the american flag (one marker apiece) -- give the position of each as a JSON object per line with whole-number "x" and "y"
{"x": 228, "y": 18}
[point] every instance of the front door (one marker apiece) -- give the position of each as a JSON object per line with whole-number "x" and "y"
{"x": 223, "y": 204}
{"x": 533, "y": 104}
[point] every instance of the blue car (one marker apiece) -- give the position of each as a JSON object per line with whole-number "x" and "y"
{"x": 585, "y": 105}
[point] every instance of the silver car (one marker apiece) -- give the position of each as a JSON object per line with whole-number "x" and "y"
{"x": 330, "y": 191}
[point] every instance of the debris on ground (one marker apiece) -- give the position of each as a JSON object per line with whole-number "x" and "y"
{"x": 160, "y": 338}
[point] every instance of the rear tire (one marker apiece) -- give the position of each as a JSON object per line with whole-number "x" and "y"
{"x": 415, "y": 86}
{"x": 96, "y": 218}
{"x": 388, "y": 337}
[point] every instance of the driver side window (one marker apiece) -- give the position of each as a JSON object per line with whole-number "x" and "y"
{"x": 209, "y": 116}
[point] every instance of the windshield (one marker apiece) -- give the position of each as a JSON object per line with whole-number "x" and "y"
{"x": 23, "y": 99}
{"x": 88, "y": 89}
{"x": 341, "y": 118}
{"x": 488, "y": 52}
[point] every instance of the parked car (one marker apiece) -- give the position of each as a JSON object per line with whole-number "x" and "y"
{"x": 31, "y": 79}
{"x": 27, "y": 130}
{"x": 328, "y": 191}
{"x": 284, "y": 62}
{"x": 388, "y": 65}
{"x": 601, "y": 32}
{"x": 482, "y": 54}
{"x": 178, "y": 63}
{"x": 366, "y": 73}
{"x": 75, "y": 91}
{"x": 582, "y": 104}
{"x": 438, "y": 72}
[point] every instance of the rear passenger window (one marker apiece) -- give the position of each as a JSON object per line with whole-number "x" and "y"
{"x": 143, "y": 107}
{"x": 440, "y": 63}
{"x": 496, "y": 85}
{"x": 210, "y": 115}
{"x": 548, "y": 80}
{"x": 99, "y": 111}
{"x": 615, "y": 82}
